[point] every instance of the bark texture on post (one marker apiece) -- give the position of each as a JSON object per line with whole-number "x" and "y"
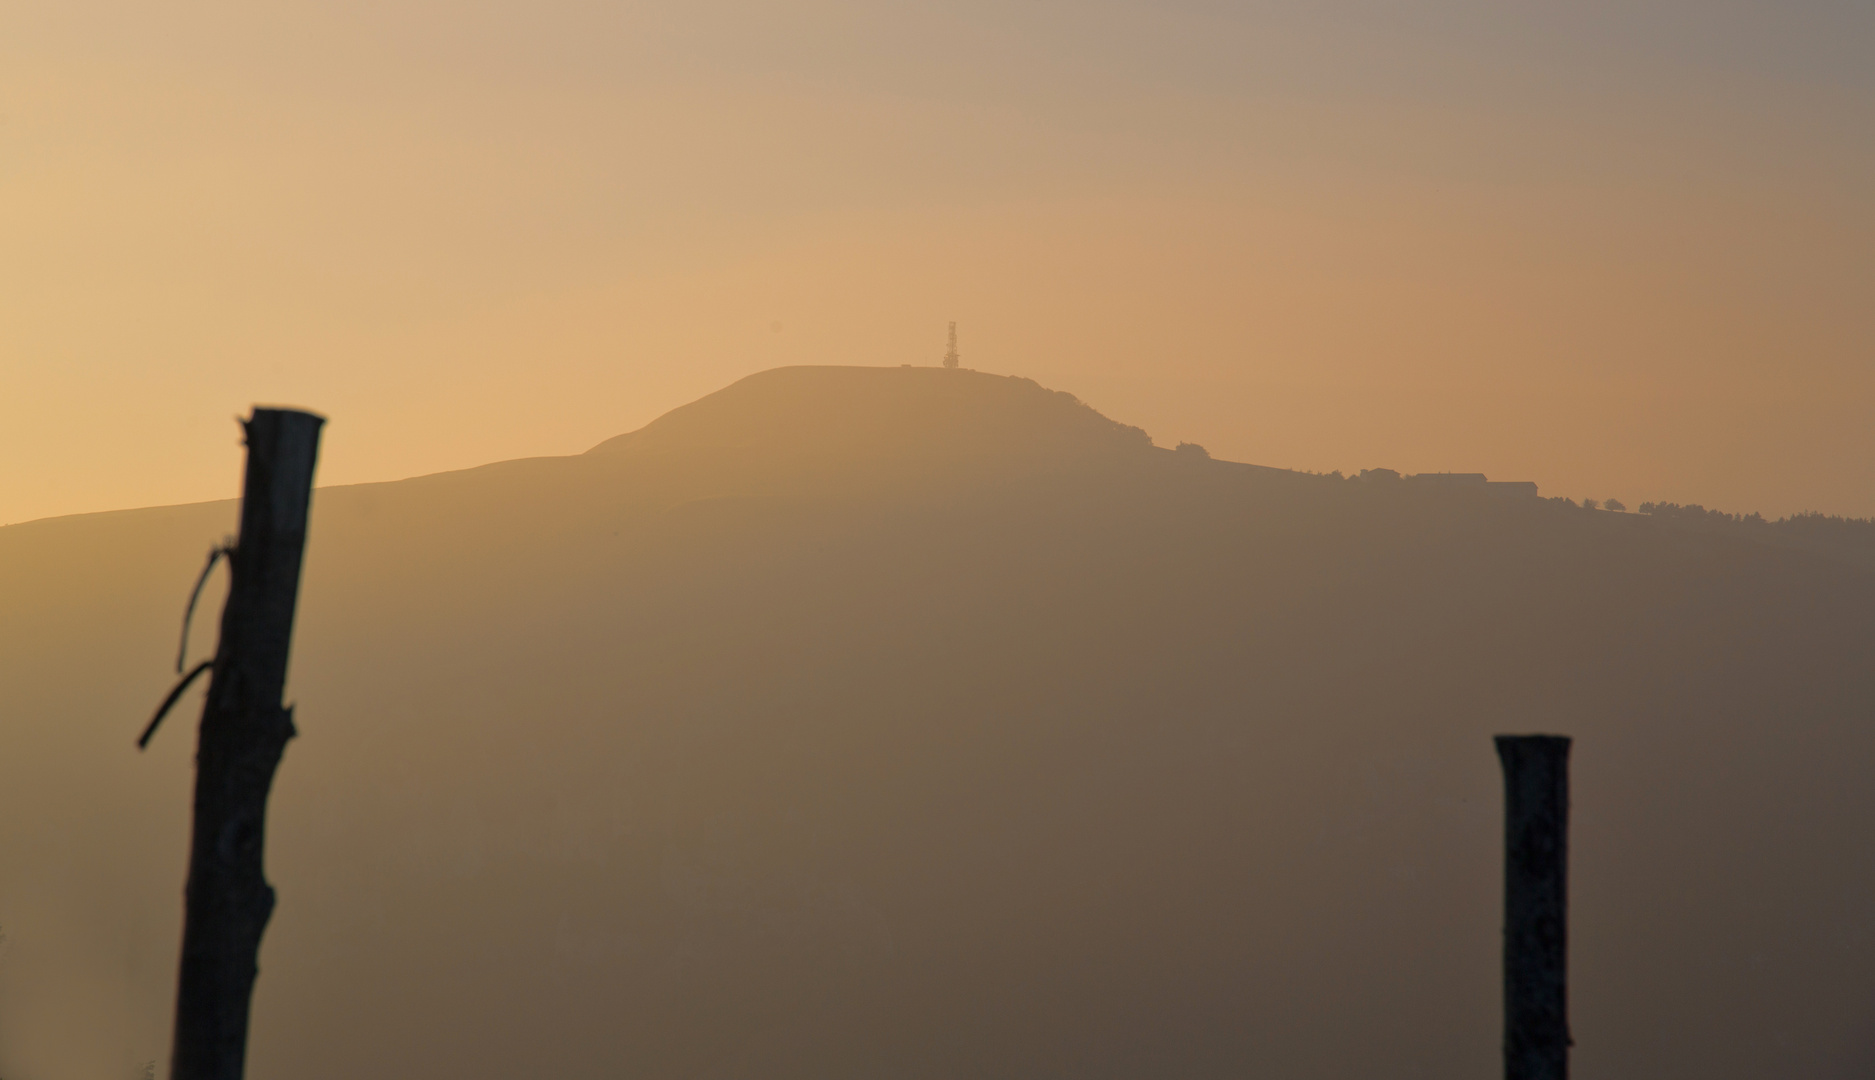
{"x": 1536, "y": 896}
{"x": 244, "y": 731}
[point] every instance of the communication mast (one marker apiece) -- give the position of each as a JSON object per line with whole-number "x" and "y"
{"x": 950, "y": 357}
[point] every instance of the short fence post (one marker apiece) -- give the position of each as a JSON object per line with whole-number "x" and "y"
{"x": 1536, "y": 897}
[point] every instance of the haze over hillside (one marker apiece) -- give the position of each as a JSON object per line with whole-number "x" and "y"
{"x": 862, "y": 722}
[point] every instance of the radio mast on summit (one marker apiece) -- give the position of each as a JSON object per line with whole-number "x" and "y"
{"x": 950, "y": 356}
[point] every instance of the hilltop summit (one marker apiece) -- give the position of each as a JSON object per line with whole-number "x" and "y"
{"x": 827, "y": 411}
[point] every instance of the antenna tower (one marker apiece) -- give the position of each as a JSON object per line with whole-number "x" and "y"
{"x": 950, "y": 356}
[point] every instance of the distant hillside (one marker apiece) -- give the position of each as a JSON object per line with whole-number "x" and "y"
{"x": 910, "y": 723}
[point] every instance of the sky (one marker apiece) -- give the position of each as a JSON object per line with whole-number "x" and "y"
{"x": 1622, "y": 250}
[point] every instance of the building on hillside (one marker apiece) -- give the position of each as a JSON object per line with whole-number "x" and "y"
{"x": 1511, "y": 488}
{"x": 1517, "y": 489}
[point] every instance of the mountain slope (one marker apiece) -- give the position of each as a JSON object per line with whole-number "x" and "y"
{"x": 867, "y": 722}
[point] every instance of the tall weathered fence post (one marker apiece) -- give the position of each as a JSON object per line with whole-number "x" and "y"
{"x": 245, "y": 729}
{"x": 1536, "y": 897}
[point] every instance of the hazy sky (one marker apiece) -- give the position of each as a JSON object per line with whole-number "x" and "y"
{"x": 1619, "y": 249}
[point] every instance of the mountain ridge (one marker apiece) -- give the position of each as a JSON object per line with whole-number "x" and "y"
{"x": 940, "y": 761}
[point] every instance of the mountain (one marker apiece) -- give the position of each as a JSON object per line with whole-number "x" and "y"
{"x": 905, "y": 722}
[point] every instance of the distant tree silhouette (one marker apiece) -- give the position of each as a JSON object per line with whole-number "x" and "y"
{"x": 1193, "y": 449}
{"x": 1829, "y": 527}
{"x": 1589, "y": 504}
{"x": 1695, "y": 514}
{"x": 1809, "y": 526}
{"x": 1614, "y": 504}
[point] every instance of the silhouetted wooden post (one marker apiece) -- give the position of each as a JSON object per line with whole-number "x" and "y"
{"x": 1536, "y": 897}
{"x": 245, "y": 729}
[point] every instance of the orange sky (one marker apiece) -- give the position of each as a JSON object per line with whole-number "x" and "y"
{"x": 1624, "y": 251}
